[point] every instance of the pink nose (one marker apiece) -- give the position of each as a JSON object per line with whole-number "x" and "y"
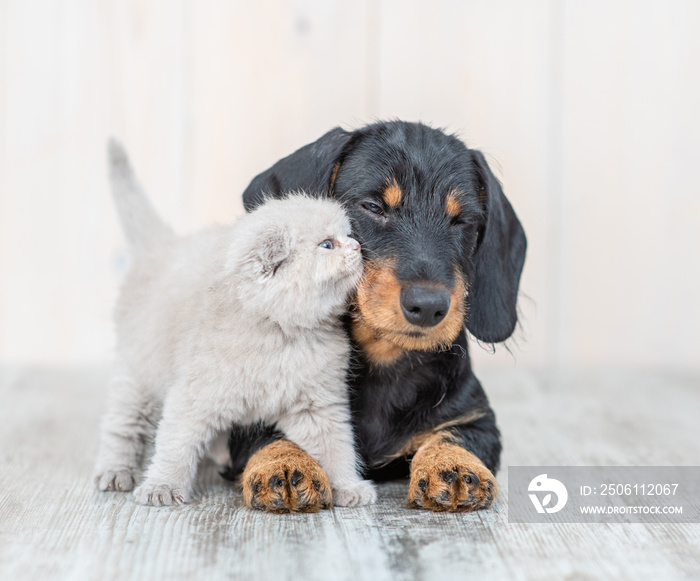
{"x": 354, "y": 244}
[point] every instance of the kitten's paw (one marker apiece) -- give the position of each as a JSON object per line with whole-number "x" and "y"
{"x": 119, "y": 479}
{"x": 355, "y": 495}
{"x": 159, "y": 494}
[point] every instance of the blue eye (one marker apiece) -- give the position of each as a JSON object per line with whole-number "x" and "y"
{"x": 328, "y": 244}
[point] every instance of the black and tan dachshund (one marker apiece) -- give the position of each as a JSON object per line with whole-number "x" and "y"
{"x": 443, "y": 254}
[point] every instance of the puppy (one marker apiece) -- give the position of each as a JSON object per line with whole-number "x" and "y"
{"x": 237, "y": 324}
{"x": 444, "y": 250}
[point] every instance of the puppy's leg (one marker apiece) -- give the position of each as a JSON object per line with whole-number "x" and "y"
{"x": 183, "y": 436}
{"x": 447, "y": 477}
{"x": 126, "y": 427}
{"x": 326, "y": 435}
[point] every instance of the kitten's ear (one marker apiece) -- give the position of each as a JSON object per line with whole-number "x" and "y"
{"x": 272, "y": 247}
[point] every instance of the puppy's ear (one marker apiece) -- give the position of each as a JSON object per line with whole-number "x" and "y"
{"x": 271, "y": 248}
{"x": 498, "y": 262}
{"x": 312, "y": 168}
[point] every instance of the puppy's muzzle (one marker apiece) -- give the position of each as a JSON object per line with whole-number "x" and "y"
{"x": 424, "y": 306}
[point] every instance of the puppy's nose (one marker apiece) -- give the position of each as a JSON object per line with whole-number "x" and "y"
{"x": 424, "y": 306}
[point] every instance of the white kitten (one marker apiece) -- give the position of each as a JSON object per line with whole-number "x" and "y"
{"x": 235, "y": 324}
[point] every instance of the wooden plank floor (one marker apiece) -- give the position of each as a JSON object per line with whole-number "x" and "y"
{"x": 54, "y": 525}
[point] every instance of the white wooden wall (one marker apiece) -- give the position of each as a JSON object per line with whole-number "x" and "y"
{"x": 589, "y": 112}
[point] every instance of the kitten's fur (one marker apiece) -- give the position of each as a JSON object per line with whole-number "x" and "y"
{"x": 234, "y": 324}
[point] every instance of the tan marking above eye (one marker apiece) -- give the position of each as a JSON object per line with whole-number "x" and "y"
{"x": 452, "y": 202}
{"x": 334, "y": 176}
{"x": 392, "y": 194}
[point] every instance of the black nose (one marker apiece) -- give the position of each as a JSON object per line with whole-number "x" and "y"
{"x": 424, "y": 306}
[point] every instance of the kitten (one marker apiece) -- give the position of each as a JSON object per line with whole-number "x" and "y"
{"x": 236, "y": 324}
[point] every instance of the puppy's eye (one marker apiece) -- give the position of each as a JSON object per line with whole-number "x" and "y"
{"x": 374, "y": 208}
{"x": 327, "y": 244}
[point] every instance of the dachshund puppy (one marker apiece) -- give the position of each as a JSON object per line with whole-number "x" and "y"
{"x": 241, "y": 324}
{"x": 443, "y": 252}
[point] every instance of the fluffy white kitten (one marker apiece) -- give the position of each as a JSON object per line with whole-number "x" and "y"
{"x": 234, "y": 324}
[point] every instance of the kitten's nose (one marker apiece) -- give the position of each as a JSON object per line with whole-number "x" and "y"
{"x": 352, "y": 244}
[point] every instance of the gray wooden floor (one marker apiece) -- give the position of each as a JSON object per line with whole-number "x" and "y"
{"x": 54, "y": 525}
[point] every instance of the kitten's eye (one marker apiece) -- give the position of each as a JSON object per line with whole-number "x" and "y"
{"x": 328, "y": 244}
{"x": 374, "y": 208}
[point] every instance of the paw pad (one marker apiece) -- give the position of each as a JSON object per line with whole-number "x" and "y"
{"x": 282, "y": 478}
{"x": 450, "y": 479}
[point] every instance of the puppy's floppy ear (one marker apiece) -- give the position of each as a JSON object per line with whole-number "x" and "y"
{"x": 272, "y": 246}
{"x": 311, "y": 168}
{"x": 498, "y": 262}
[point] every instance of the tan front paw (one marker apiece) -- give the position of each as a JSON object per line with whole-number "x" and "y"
{"x": 445, "y": 477}
{"x": 281, "y": 477}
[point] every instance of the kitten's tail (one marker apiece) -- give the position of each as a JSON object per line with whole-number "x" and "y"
{"x": 140, "y": 222}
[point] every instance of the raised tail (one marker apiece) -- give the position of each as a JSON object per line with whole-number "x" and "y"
{"x": 141, "y": 224}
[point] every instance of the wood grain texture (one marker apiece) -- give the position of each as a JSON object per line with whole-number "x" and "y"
{"x": 55, "y": 525}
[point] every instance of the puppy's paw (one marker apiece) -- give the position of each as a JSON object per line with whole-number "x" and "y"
{"x": 119, "y": 479}
{"x": 159, "y": 494}
{"x": 355, "y": 495}
{"x": 445, "y": 477}
{"x": 281, "y": 477}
